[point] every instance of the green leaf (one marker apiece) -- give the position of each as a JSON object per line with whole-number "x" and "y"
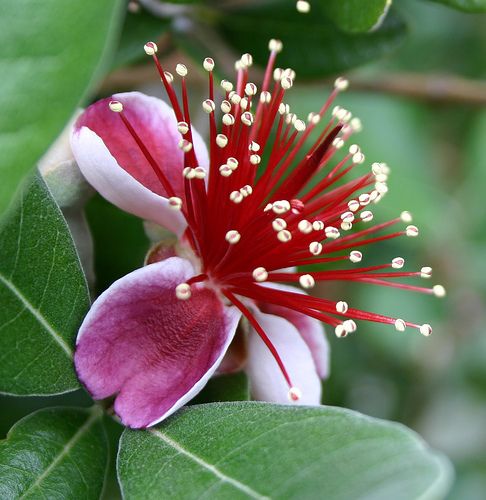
{"x": 313, "y": 46}
{"x": 120, "y": 243}
{"x": 43, "y": 293}
{"x": 139, "y": 28}
{"x": 356, "y": 16}
{"x": 57, "y": 453}
{"x": 48, "y": 55}
{"x": 465, "y": 5}
{"x": 258, "y": 450}
{"x": 228, "y": 387}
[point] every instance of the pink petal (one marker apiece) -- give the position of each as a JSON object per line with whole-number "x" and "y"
{"x": 266, "y": 380}
{"x": 112, "y": 162}
{"x": 311, "y": 329}
{"x": 153, "y": 350}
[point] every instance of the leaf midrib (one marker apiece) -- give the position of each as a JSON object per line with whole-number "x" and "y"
{"x": 94, "y": 416}
{"x": 38, "y": 316}
{"x": 209, "y": 467}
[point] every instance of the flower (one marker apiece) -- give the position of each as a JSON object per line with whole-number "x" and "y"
{"x": 247, "y": 213}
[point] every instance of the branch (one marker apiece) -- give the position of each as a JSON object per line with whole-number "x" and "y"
{"x": 431, "y": 88}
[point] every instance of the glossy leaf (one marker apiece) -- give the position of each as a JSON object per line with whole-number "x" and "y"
{"x": 49, "y": 54}
{"x": 59, "y": 453}
{"x": 313, "y": 46}
{"x": 356, "y": 16}
{"x": 227, "y": 387}
{"x": 120, "y": 243}
{"x": 465, "y": 5}
{"x": 257, "y": 450}
{"x": 43, "y": 293}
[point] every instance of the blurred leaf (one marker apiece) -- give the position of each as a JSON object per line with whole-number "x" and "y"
{"x": 54, "y": 453}
{"x": 465, "y": 5}
{"x": 257, "y": 450}
{"x": 49, "y": 53}
{"x": 43, "y": 293}
{"x": 356, "y": 16}
{"x": 139, "y": 28}
{"x": 231, "y": 387}
{"x": 313, "y": 46}
{"x": 120, "y": 243}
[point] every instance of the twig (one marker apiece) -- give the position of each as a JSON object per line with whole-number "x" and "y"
{"x": 431, "y": 87}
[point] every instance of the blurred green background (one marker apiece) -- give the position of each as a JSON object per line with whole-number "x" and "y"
{"x": 434, "y": 141}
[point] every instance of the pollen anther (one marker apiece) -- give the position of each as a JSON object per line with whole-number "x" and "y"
{"x": 411, "y": 231}
{"x": 260, "y": 274}
{"x": 294, "y": 394}
{"x": 398, "y": 263}
{"x": 342, "y": 307}
{"x": 400, "y": 325}
{"x": 315, "y": 248}
{"x": 183, "y": 291}
{"x": 233, "y": 236}
{"x": 150, "y": 48}
{"x": 175, "y": 203}
{"x": 284, "y": 236}
{"x": 307, "y": 281}
{"x": 116, "y": 106}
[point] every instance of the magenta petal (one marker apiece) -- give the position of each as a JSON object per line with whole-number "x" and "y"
{"x": 156, "y": 124}
{"x": 153, "y": 350}
{"x": 311, "y": 330}
{"x": 112, "y": 163}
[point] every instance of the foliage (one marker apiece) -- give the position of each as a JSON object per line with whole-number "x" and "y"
{"x": 51, "y": 61}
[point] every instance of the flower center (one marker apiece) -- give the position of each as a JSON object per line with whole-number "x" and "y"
{"x": 247, "y": 225}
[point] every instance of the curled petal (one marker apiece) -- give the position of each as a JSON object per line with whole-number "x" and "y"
{"x": 311, "y": 329}
{"x": 114, "y": 165}
{"x": 154, "y": 351}
{"x": 266, "y": 380}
